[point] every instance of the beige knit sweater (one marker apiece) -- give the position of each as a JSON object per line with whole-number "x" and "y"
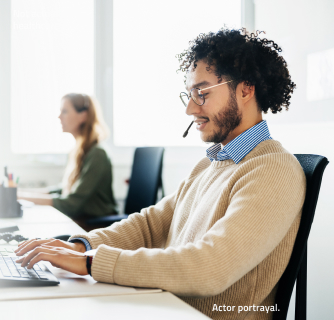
{"x": 223, "y": 238}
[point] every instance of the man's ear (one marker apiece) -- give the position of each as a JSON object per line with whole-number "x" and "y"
{"x": 247, "y": 91}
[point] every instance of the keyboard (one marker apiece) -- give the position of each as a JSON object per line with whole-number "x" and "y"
{"x": 12, "y": 274}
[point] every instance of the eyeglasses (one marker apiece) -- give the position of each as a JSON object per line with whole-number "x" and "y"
{"x": 196, "y": 95}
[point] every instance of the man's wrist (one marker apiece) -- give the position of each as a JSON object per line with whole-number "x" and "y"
{"x": 80, "y": 247}
{"x": 83, "y": 241}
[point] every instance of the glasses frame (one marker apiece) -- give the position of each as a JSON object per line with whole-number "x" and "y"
{"x": 199, "y": 92}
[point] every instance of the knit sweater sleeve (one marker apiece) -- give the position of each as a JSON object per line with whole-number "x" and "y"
{"x": 264, "y": 201}
{"x": 148, "y": 229}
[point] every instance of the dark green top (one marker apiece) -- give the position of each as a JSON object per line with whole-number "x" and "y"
{"x": 91, "y": 195}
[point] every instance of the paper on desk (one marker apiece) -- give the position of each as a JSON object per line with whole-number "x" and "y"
{"x": 71, "y": 286}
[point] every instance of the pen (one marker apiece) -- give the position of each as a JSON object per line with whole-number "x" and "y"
{"x": 11, "y": 183}
{"x": 5, "y": 177}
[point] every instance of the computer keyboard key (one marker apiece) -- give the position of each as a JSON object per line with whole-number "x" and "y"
{"x": 32, "y": 274}
{"x": 24, "y": 275}
{"x": 42, "y": 275}
{"x": 14, "y": 258}
{"x": 18, "y": 267}
{"x": 6, "y": 273}
{"x": 23, "y": 271}
{"x": 15, "y": 275}
{"x": 37, "y": 267}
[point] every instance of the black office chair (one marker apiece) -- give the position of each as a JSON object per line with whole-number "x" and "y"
{"x": 145, "y": 182}
{"x": 314, "y": 166}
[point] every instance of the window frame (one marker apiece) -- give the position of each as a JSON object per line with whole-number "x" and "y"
{"x": 103, "y": 86}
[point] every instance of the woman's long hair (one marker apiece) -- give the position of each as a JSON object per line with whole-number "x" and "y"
{"x": 91, "y": 132}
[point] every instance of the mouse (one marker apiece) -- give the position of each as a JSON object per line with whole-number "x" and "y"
{"x": 63, "y": 237}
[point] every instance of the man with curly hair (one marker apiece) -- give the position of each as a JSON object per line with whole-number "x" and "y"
{"x": 223, "y": 239}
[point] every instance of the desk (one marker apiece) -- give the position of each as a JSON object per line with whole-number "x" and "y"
{"x": 162, "y": 306}
{"x": 97, "y": 299}
{"x": 42, "y": 222}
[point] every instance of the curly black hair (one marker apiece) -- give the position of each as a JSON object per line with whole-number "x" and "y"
{"x": 241, "y": 56}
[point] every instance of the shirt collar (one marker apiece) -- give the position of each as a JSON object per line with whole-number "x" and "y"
{"x": 240, "y": 146}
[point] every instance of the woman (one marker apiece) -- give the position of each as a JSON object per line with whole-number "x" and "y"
{"x": 86, "y": 189}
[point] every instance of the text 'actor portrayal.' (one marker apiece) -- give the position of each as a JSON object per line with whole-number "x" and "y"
{"x": 225, "y": 236}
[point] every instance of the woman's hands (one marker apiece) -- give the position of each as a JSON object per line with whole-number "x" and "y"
{"x": 36, "y": 198}
{"x": 66, "y": 255}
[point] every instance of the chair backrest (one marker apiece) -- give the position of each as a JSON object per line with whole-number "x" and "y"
{"x": 313, "y": 166}
{"x": 145, "y": 179}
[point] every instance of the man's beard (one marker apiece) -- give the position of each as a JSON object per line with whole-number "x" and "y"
{"x": 226, "y": 121}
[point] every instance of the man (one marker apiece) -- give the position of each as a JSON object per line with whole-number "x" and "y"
{"x": 225, "y": 236}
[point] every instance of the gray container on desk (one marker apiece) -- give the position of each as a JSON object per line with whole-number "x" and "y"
{"x": 9, "y": 207}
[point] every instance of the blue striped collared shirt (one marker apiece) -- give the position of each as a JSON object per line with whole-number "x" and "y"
{"x": 240, "y": 146}
{"x": 85, "y": 242}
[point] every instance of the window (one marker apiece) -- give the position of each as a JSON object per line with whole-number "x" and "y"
{"x": 147, "y": 36}
{"x": 52, "y": 53}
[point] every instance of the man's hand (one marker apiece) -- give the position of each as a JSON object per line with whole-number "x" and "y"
{"x": 64, "y": 258}
{"x": 29, "y": 245}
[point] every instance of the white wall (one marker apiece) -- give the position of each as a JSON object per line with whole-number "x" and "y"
{"x": 32, "y": 170}
{"x": 303, "y": 27}
{"x": 4, "y": 79}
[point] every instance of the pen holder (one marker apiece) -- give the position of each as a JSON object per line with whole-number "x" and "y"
{"x": 9, "y": 207}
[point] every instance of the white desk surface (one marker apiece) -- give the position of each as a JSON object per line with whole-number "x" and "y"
{"x": 42, "y": 222}
{"x": 37, "y": 214}
{"x": 70, "y": 286}
{"x": 81, "y": 297}
{"x": 162, "y": 306}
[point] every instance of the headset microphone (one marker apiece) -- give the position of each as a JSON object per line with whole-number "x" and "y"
{"x": 186, "y": 132}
